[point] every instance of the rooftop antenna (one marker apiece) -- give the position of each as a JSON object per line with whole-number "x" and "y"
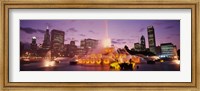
{"x": 47, "y": 27}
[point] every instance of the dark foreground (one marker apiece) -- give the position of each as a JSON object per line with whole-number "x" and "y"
{"x": 64, "y": 65}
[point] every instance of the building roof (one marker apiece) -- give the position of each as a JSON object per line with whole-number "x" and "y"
{"x": 166, "y": 44}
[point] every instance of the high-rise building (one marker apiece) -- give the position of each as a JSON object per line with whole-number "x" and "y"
{"x": 168, "y": 50}
{"x": 137, "y": 46}
{"x": 142, "y": 43}
{"x": 71, "y": 49}
{"x": 89, "y": 43}
{"x": 33, "y": 45}
{"x": 151, "y": 39}
{"x": 158, "y": 50}
{"x": 46, "y": 43}
{"x": 57, "y": 42}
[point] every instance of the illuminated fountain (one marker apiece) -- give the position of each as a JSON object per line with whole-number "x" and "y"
{"x": 48, "y": 62}
{"x": 107, "y": 55}
{"x": 106, "y": 40}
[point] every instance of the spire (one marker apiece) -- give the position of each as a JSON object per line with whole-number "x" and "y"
{"x": 47, "y": 27}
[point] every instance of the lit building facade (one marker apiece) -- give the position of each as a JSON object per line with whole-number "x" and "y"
{"x": 142, "y": 43}
{"x": 168, "y": 50}
{"x": 33, "y": 46}
{"x": 137, "y": 46}
{"x": 71, "y": 49}
{"x": 89, "y": 43}
{"x": 151, "y": 39}
{"x": 46, "y": 43}
{"x": 57, "y": 42}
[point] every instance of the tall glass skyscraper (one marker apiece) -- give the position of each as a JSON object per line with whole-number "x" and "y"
{"x": 46, "y": 43}
{"x": 151, "y": 39}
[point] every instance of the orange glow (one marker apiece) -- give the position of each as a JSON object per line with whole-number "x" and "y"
{"x": 136, "y": 59}
{"x": 87, "y": 61}
{"x": 106, "y": 42}
{"x": 106, "y": 61}
{"x": 49, "y": 63}
{"x": 92, "y": 61}
{"x": 98, "y": 61}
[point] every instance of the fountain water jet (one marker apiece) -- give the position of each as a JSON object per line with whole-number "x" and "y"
{"x": 48, "y": 60}
{"x": 106, "y": 40}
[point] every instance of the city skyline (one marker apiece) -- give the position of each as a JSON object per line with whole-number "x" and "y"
{"x": 121, "y": 32}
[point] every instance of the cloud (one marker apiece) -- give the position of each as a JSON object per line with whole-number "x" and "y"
{"x": 142, "y": 29}
{"x": 49, "y": 25}
{"x": 31, "y": 30}
{"x": 168, "y": 37}
{"x": 122, "y": 41}
{"x": 115, "y": 42}
{"x": 67, "y": 39}
{"x": 119, "y": 39}
{"x": 83, "y": 35}
{"x": 91, "y": 31}
{"x": 41, "y": 31}
{"x": 169, "y": 27}
{"x": 72, "y": 30}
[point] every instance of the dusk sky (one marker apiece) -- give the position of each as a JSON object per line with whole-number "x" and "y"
{"x": 121, "y": 32}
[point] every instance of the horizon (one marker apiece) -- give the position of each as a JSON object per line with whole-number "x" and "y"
{"x": 121, "y": 32}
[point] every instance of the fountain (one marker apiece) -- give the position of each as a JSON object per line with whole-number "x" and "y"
{"x": 106, "y": 40}
{"x": 48, "y": 62}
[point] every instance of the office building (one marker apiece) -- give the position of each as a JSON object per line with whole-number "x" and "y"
{"x": 142, "y": 43}
{"x": 151, "y": 39}
{"x": 46, "y": 42}
{"x": 168, "y": 50}
{"x": 57, "y": 42}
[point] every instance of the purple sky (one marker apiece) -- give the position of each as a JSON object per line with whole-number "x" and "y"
{"x": 121, "y": 32}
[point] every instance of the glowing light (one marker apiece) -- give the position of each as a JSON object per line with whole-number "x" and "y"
{"x": 106, "y": 61}
{"x": 92, "y": 61}
{"x": 177, "y": 62}
{"x": 49, "y": 63}
{"x": 115, "y": 65}
{"x": 33, "y": 37}
{"x": 106, "y": 42}
{"x": 98, "y": 62}
{"x": 161, "y": 61}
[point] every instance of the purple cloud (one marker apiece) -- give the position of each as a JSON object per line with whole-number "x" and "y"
{"x": 72, "y": 30}
{"x": 142, "y": 29}
{"x": 91, "y": 31}
{"x": 31, "y": 30}
{"x": 83, "y": 35}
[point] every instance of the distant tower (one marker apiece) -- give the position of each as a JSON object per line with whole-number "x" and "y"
{"x": 143, "y": 44}
{"x": 46, "y": 42}
{"x": 33, "y": 45}
{"x": 151, "y": 38}
{"x": 34, "y": 40}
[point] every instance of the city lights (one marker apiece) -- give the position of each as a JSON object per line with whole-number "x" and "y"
{"x": 99, "y": 45}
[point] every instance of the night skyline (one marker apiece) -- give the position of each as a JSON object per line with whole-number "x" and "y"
{"x": 121, "y": 32}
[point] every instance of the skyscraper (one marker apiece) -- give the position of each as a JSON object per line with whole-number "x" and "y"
{"x": 151, "y": 39}
{"x": 33, "y": 45}
{"x": 143, "y": 44}
{"x": 137, "y": 46}
{"x": 57, "y": 42}
{"x": 46, "y": 43}
{"x": 168, "y": 50}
